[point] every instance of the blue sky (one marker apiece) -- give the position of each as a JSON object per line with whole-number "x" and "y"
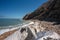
{"x": 18, "y": 8}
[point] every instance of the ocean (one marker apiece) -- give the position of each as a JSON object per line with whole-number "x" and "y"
{"x": 10, "y": 23}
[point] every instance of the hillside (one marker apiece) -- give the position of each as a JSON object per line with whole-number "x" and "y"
{"x": 49, "y": 11}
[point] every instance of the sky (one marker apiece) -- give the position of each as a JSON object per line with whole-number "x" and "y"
{"x": 18, "y": 8}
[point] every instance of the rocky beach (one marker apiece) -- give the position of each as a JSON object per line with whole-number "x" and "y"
{"x": 44, "y": 24}
{"x": 36, "y": 30}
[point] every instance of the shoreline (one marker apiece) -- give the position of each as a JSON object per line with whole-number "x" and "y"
{"x": 6, "y": 30}
{"x": 6, "y": 34}
{"x": 34, "y": 30}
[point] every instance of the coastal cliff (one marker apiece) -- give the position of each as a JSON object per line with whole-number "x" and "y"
{"x": 48, "y": 15}
{"x": 42, "y": 24}
{"x": 49, "y": 11}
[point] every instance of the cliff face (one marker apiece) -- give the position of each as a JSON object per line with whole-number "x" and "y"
{"x": 49, "y": 11}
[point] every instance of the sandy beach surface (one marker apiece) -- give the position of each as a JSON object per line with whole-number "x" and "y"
{"x": 6, "y": 34}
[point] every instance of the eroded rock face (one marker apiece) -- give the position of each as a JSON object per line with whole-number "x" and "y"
{"x": 36, "y": 30}
{"x": 42, "y": 30}
{"x": 49, "y": 38}
{"x": 29, "y": 35}
{"x": 49, "y": 11}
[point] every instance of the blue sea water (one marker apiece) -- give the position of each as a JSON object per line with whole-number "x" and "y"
{"x": 11, "y": 24}
{"x": 6, "y": 23}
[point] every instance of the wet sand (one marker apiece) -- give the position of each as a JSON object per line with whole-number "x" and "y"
{"x": 6, "y": 34}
